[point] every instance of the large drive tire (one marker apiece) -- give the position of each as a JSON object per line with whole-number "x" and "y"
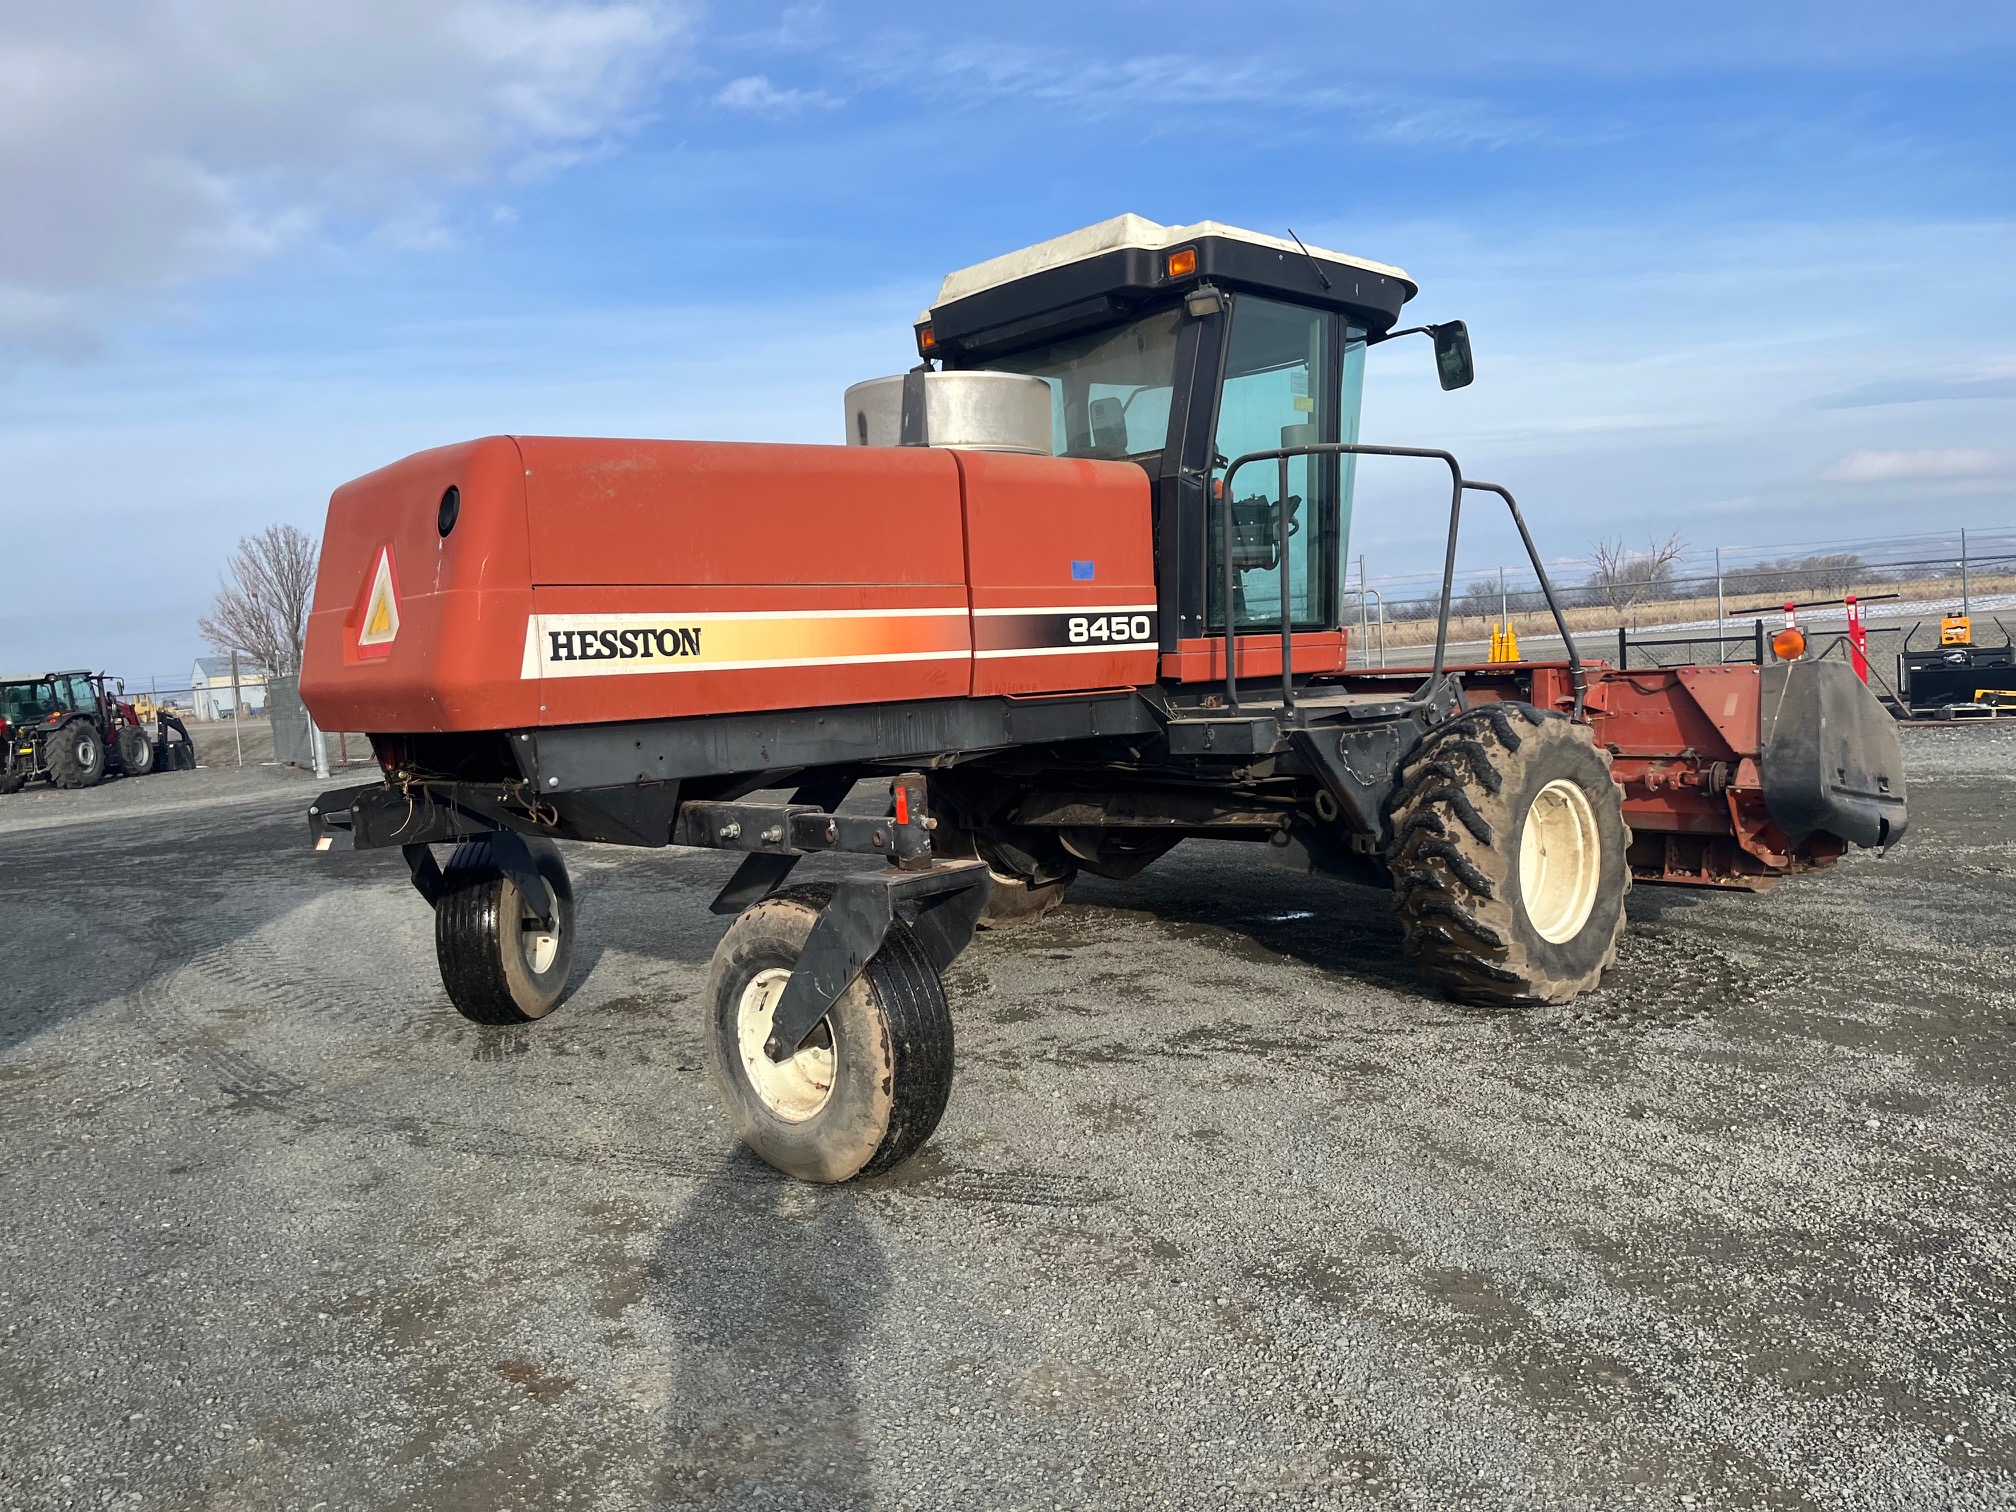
{"x": 136, "y": 751}
{"x": 75, "y": 755}
{"x": 870, "y": 1084}
{"x": 499, "y": 967}
{"x": 1508, "y": 856}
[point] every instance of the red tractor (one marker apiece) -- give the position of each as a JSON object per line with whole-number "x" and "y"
{"x": 1071, "y": 593}
{"x": 76, "y": 728}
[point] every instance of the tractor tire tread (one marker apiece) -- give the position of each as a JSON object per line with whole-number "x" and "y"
{"x": 60, "y": 756}
{"x": 136, "y": 751}
{"x": 1455, "y": 890}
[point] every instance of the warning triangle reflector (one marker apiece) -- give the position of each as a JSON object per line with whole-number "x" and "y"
{"x": 381, "y": 608}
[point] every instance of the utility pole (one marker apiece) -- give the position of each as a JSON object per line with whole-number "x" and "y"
{"x": 237, "y": 711}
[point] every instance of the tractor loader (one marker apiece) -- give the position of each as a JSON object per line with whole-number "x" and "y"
{"x": 73, "y": 729}
{"x": 1069, "y": 594}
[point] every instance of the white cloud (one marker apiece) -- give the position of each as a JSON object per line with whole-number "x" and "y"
{"x": 142, "y": 144}
{"x": 1864, "y": 466}
{"x": 757, "y": 93}
{"x": 1091, "y": 87}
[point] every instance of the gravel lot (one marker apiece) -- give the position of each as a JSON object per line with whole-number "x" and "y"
{"x": 1224, "y": 1213}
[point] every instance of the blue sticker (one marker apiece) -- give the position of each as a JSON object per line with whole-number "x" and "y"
{"x": 1081, "y": 572}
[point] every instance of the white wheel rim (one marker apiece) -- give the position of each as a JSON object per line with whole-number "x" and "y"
{"x": 795, "y": 1089}
{"x": 539, "y": 946}
{"x": 87, "y": 753}
{"x": 1560, "y": 861}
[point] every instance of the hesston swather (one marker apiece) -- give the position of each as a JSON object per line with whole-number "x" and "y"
{"x": 1072, "y": 591}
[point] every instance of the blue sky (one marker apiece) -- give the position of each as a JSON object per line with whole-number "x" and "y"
{"x": 1739, "y": 271}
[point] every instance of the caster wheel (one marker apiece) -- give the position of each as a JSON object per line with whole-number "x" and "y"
{"x": 498, "y": 964}
{"x": 869, "y": 1085}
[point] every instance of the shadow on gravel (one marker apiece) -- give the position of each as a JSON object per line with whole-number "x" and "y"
{"x": 1334, "y": 925}
{"x": 1653, "y": 903}
{"x": 768, "y": 1288}
{"x": 96, "y": 914}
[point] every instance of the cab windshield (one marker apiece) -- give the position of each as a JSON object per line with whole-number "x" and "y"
{"x": 1110, "y": 389}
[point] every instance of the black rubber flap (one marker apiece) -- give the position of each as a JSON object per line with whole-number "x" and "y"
{"x": 1830, "y": 757}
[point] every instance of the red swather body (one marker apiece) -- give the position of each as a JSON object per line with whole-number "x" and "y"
{"x": 1013, "y": 596}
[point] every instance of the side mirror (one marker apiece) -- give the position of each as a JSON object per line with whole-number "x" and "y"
{"x": 1453, "y": 362}
{"x": 1109, "y": 426}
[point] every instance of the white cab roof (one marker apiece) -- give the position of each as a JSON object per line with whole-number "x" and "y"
{"x": 1112, "y": 235}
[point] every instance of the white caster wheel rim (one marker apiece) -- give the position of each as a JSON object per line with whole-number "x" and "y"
{"x": 793, "y": 1090}
{"x": 539, "y": 946}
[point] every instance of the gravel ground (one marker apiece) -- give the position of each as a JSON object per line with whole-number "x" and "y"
{"x": 1224, "y": 1214}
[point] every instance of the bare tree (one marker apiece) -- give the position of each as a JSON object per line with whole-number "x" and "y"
{"x": 1830, "y": 572}
{"x": 262, "y": 604}
{"x": 1624, "y": 577}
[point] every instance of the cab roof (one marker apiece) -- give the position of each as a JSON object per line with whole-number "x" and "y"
{"x": 1087, "y": 277}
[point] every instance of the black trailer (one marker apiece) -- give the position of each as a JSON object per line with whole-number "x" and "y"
{"x": 1958, "y": 681}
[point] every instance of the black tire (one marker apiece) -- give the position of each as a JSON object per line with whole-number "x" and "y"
{"x": 12, "y": 782}
{"x": 75, "y": 755}
{"x": 1468, "y": 844}
{"x": 136, "y": 751}
{"x": 886, "y": 1048}
{"x": 497, "y": 966}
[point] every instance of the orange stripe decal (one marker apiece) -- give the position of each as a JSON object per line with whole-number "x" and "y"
{"x": 603, "y": 645}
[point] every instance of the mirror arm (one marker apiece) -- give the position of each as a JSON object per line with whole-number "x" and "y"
{"x": 1422, "y": 330}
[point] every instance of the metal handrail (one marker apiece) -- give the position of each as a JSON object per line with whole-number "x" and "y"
{"x": 1457, "y": 484}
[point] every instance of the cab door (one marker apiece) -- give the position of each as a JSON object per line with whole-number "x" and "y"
{"x": 1289, "y": 376}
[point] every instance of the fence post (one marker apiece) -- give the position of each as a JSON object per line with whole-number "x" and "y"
{"x": 237, "y": 712}
{"x": 1623, "y": 649}
{"x": 1721, "y": 614}
{"x": 1364, "y": 609}
{"x": 1760, "y": 642}
{"x": 1963, "y": 572}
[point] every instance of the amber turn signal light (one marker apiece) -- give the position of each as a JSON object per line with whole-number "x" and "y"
{"x": 1789, "y": 644}
{"x": 926, "y": 338}
{"x": 1182, "y": 264}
